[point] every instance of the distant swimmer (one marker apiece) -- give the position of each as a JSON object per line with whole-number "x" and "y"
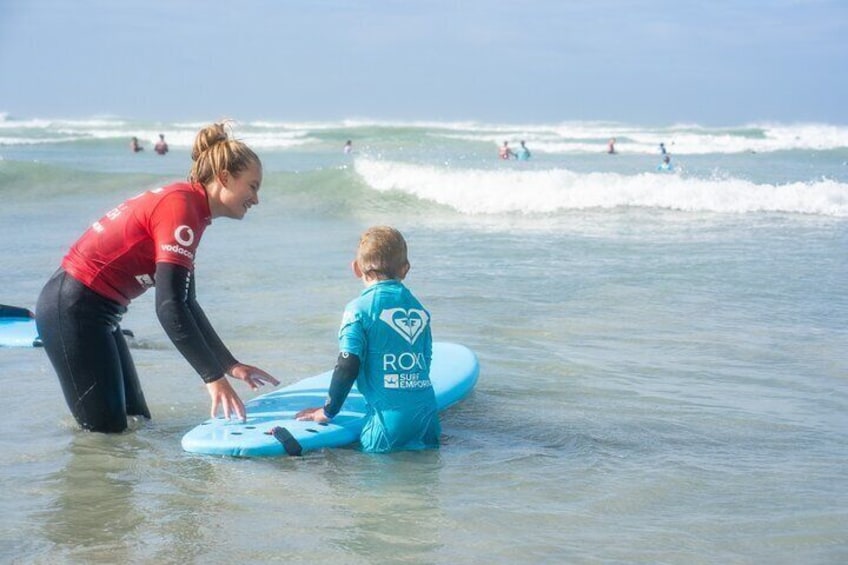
{"x": 662, "y": 149}
{"x": 348, "y": 147}
{"x": 505, "y": 152}
{"x": 611, "y": 146}
{"x": 666, "y": 163}
{"x": 135, "y": 145}
{"x": 523, "y": 153}
{"x": 161, "y": 147}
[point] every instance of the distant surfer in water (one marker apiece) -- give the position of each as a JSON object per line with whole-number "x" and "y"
{"x": 150, "y": 238}
{"x": 161, "y": 146}
{"x": 348, "y": 147}
{"x": 385, "y": 347}
{"x": 135, "y": 145}
{"x": 505, "y": 152}
{"x": 523, "y": 153}
{"x": 611, "y": 146}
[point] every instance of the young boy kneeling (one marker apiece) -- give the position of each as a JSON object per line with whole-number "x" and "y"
{"x": 385, "y": 346}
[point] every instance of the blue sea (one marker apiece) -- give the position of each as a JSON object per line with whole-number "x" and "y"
{"x": 664, "y": 355}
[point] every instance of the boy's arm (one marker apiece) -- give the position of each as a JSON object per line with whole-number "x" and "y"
{"x": 351, "y": 338}
{"x": 344, "y": 375}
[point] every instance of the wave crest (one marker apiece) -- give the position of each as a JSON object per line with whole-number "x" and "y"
{"x": 476, "y": 191}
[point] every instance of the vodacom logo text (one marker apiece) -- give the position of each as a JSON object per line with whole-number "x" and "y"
{"x": 184, "y": 235}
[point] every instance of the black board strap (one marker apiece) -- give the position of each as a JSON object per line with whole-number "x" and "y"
{"x": 290, "y": 444}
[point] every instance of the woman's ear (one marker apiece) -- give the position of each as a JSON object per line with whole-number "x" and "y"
{"x": 356, "y": 270}
{"x": 224, "y": 177}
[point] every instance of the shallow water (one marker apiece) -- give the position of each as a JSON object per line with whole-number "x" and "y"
{"x": 658, "y": 383}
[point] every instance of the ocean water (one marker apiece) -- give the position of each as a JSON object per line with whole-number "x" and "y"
{"x": 664, "y": 376}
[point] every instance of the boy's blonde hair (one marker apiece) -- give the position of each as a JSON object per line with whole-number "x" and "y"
{"x": 215, "y": 151}
{"x": 382, "y": 253}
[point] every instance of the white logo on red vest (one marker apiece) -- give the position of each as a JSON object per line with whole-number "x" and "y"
{"x": 184, "y": 235}
{"x": 178, "y": 250}
{"x": 145, "y": 281}
{"x": 409, "y": 324}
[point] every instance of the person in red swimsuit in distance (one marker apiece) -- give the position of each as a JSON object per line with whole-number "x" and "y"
{"x": 151, "y": 238}
{"x": 504, "y": 152}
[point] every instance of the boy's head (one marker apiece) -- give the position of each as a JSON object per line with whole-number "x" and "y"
{"x": 381, "y": 254}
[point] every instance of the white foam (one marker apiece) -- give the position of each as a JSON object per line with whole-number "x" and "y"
{"x": 40, "y": 131}
{"x": 553, "y": 138}
{"x": 678, "y": 139}
{"x": 472, "y": 191}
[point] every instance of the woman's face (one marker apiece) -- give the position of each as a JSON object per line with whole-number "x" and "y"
{"x": 239, "y": 192}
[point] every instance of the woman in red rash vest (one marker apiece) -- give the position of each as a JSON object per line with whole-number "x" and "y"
{"x": 151, "y": 237}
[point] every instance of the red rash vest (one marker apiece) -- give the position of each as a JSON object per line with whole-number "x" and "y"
{"x": 116, "y": 257}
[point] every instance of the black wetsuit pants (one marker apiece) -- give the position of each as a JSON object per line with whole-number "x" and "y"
{"x": 83, "y": 339}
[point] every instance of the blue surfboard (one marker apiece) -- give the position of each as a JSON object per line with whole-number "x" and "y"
{"x": 18, "y": 332}
{"x": 271, "y": 430}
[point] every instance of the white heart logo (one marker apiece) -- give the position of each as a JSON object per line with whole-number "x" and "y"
{"x": 408, "y": 323}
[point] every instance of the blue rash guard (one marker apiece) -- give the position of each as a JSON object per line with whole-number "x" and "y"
{"x": 389, "y": 330}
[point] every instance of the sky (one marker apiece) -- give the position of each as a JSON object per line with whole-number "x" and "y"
{"x": 649, "y": 62}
